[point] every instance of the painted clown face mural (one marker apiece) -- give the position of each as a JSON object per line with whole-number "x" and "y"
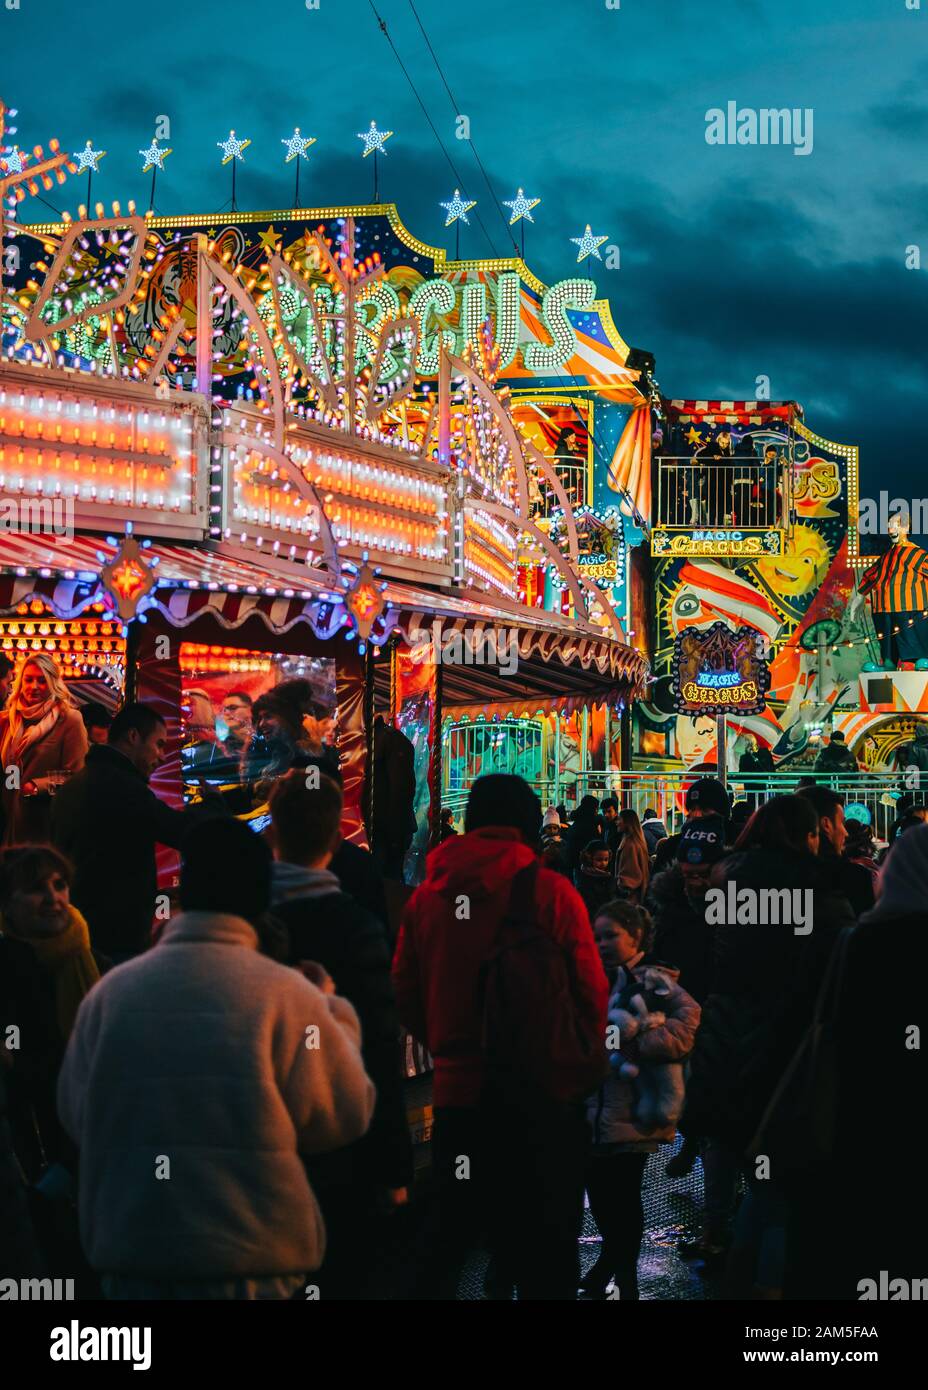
{"x": 707, "y": 591}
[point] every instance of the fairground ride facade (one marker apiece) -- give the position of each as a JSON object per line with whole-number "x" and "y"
{"x": 238, "y": 450}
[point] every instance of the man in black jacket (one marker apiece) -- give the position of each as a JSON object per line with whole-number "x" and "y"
{"x": 851, "y": 880}
{"x": 836, "y": 756}
{"x": 329, "y": 929}
{"x": 107, "y": 820}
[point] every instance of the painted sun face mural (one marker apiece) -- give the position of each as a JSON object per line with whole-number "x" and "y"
{"x": 801, "y": 569}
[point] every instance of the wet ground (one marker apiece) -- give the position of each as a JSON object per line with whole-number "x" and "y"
{"x": 672, "y": 1208}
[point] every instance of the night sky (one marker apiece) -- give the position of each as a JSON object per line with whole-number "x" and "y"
{"x": 735, "y": 260}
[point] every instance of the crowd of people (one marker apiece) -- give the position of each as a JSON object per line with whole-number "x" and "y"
{"x": 250, "y": 741}
{"x": 202, "y": 1097}
{"x": 713, "y": 1029}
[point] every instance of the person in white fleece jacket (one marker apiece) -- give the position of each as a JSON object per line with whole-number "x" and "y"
{"x": 195, "y": 1077}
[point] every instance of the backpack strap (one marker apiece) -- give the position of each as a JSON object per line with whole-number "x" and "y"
{"x": 520, "y": 915}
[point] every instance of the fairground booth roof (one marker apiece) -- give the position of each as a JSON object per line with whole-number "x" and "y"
{"x": 306, "y": 414}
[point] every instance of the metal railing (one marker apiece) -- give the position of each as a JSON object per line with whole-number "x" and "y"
{"x": 705, "y": 492}
{"x": 665, "y": 793}
{"x": 573, "y": 475}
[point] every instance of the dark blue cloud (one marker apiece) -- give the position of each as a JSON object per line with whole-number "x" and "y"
{"x": 735, "y": 260}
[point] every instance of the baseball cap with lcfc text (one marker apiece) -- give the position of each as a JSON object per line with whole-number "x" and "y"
{"x": 702, "y": 841}
{"x": 708, "y": 795}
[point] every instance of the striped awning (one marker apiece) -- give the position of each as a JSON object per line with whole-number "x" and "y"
{"x": 536, "y": 639}
{"x": 732, "y": 412}
{"x": 64, "y": 573}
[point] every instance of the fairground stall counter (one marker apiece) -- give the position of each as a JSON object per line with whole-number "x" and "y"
{"x": 283, "y": 447}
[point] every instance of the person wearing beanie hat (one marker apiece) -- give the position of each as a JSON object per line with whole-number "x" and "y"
{"x": 705, "y": 797}
{"x": 551, "y": 845}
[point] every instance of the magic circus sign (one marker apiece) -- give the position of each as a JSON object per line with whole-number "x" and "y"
{"x": 719, "y": 671}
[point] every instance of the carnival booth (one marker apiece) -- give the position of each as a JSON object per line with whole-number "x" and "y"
{"x": 256, "y": 461}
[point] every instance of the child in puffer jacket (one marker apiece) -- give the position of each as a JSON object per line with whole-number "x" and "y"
{"x": 651, "y": 1029}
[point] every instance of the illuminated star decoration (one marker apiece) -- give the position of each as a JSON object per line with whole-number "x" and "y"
{"x": 154, "y": 157}
{"x": 15, "y": 161}
{"x": 520, "y": 206}
{"x": 87, "y": 158}
{"x": 374, "y": 140}
{"x": 458, "y": 208}
{"x": 297, "y": 146}
{"x": 232, "y": 148}
{"x": 589, "y": 244}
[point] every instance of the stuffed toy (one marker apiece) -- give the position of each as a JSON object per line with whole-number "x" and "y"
{"x": 658, "y": 1086}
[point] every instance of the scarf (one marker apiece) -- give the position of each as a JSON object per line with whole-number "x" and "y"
{"x": 69, "y": 959}
{"x": 27, "y": 726}
{"x": 294, "y": 881}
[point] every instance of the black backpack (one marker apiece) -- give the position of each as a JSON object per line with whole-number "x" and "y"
{"x": 536, "y": 1046}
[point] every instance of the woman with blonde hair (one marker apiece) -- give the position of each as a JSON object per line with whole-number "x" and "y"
{"x": 41, "y": 734}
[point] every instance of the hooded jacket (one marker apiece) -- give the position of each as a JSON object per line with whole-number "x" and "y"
{"x": 198, "y": 1053}
{"x": 448, "y": 930}
{"x": 595, "y": 888}
{"x": 654, "y": 831}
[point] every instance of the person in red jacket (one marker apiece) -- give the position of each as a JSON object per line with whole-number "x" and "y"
{"x": 516, "y": 1174}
